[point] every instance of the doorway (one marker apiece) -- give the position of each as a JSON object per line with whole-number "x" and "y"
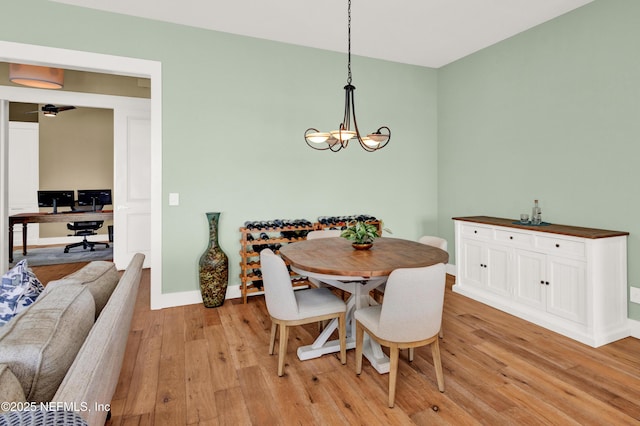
{"x": 123, "y": 108}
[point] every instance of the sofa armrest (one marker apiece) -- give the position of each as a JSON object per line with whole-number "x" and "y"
{"x": 93, "y": 376}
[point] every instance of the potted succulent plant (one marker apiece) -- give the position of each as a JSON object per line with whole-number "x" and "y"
{"x": 361, "y": 234}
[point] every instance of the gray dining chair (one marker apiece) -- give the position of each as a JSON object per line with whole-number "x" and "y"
{"x": 325, "y": 233}
{"x": 429, "y": 240}
{"x": 440, "y": 243}
{"x": 289, "y": 308}
{"x": 433, "y": 241}
{"x": 410, "y": 316}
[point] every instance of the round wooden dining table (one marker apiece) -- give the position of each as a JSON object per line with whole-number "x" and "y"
{"x": 335, "y": 262}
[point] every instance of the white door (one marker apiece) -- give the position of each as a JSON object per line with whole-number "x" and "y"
{"x": 132, "y": 185}
{"x": 24, "y": 177}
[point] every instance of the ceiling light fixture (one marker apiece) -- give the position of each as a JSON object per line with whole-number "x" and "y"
{"x": 36, "y": 76}
{"x": 338, "y": 139}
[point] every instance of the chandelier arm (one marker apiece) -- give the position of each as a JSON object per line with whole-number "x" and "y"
{"x": 336, "y": 146}
{"x": 388, "y": 136}
{"x": 355, "y": 121}
{"x": 312, "y": 145}
{"x": 348, "y": 95}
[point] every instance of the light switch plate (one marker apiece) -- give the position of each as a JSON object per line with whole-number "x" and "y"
{"x": 174, "y": 199}
{"x": 634, "y": 294}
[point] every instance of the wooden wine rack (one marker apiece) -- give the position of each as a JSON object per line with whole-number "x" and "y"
{"x": 250, "y": 272}
{"x": 250, "y": 259}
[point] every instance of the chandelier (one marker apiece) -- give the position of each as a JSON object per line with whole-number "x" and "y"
{"x": 338, "y": 139}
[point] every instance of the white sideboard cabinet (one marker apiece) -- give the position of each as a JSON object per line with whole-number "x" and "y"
{"x": 568, "y": 279}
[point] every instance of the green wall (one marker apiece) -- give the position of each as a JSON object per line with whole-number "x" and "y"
{"x": 234, "y": 113}
{"x": 550, "y": 114}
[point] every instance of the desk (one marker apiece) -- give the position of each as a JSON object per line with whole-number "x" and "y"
{"x": 71, "y": 216}
{"x": 335, "y": 262}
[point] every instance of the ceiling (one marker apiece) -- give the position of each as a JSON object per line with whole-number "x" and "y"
{"x": 429, "y": 33}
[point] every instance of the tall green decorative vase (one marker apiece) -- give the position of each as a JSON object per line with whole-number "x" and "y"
{"x": 214, "y": 268}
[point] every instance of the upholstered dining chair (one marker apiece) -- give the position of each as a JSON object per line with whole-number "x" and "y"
{"x": 440, "y": 243}
{"x": 410, "y": 316}
{"x": 433, "y": 241}
{"x": 289, "y": 308}
{"x": 429, "y": 240}
{"x": 326, "y": 233}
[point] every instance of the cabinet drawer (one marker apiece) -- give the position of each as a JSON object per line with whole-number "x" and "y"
{"x": 474, "y": 231}
{"x": 561, "y": 246}
{"x": 517, "y": 238}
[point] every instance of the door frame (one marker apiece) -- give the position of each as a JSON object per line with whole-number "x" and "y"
{"x": 92, "y": 62}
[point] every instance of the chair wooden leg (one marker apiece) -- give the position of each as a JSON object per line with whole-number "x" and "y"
{"x": 394, "y": 354}
{"x": 284, "y": 336}
{"x": 342, "y": 332}
{"x": 272, "y": 342}
{"x": 359, "y": 343}
{"x": 437, "y": 363}
{"x": 410, "y": 354}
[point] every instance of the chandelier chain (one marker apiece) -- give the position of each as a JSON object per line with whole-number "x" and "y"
{"x": 349, "y": 43}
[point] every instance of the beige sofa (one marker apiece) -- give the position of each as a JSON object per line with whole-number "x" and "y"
{"x": 62, "y": 356}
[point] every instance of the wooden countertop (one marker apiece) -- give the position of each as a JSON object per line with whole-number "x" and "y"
{"x": 574, "y": 231}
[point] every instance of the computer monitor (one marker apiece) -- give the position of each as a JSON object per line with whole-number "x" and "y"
{"x": 55, "y": 199}
{"x": 96, "y": 198}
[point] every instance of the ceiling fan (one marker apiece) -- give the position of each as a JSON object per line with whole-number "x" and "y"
{"x": 50, "y": 110}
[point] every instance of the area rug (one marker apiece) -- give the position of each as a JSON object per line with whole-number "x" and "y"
{"x": 55, "y": 255}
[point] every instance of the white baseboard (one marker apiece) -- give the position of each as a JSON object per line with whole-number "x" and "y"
{"x": 634, "y": 328}
{"x": 169, "y": 300}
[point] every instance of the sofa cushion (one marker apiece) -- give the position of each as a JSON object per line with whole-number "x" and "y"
{"x": 41, "y": 342}
{"x": 10, "y": 387}
{"x": 99, "y": 276}
{"x": 19, "y": 289}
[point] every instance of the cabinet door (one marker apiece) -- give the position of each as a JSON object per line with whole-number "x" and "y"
{"x": 566, "y": 292}
{"x": 472, "y": 263}
{"x": 529, "y": 278}
{"x": 497, "y": 270}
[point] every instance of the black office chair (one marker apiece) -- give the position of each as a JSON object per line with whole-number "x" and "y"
{"x": 83, "y": 229}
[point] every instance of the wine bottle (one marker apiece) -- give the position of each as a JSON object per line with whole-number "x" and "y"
{"x": 536, "y": 214}
{"x": 250, "y": 238}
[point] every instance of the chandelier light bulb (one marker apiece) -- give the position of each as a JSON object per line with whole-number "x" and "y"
{"x": 377, "y": 137}
{"x": 318, "y": 137}
{"x": 343, "y": 135}
{"x": 370, "y": 142}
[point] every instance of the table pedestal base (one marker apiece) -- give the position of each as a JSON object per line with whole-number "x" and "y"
{"x": 359, "y": 299}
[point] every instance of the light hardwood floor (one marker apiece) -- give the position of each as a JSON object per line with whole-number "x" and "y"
{"x": 192, "y": 365}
